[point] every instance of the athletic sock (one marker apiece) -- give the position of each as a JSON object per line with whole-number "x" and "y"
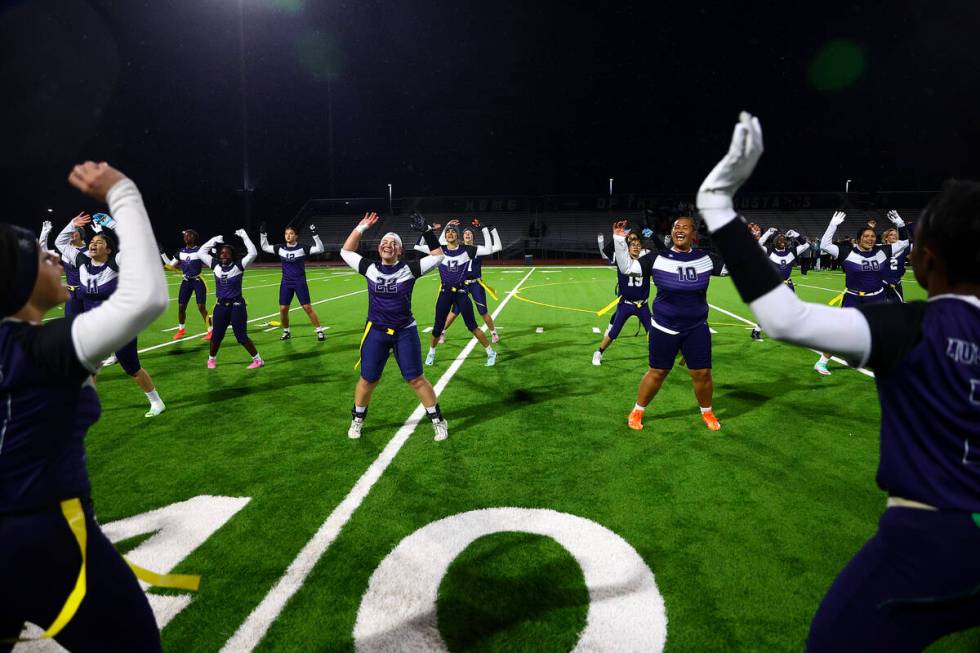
{"x": 285, "y": 330}
{"x": 359, "y": 412}
{"x": 256, "y": 357}
{"x": 180, "y": 327}
{"x": 639, "y": 408}
{"x": 319, "y": 329}
{"x": 212, "y": 358}
{"x": 705, "y": 410}
{"x": 432, "y": 350}
{"x": 489, "y": 350}
{"x": 154, "y": 397}
{"x": 823, "y": 360}
{"x": 434, "y": 413}
{"x": 602, "y": 350}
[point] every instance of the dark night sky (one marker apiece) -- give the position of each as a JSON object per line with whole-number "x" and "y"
{"x": 492, "y": 97}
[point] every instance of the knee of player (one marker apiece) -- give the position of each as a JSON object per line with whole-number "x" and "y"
{"x": 418, "y": 382}
{"x": 658, "y": 373}
{"x": 700, "y": 375}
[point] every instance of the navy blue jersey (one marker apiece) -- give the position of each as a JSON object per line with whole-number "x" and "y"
{"x": 682, "y": 286}
{"x": 475, "y": 270}
{"x": 97, "y": 280}
{"x": 895, "y": 268}
{"x": 47, "y": 403}
{"x": 784, "y": 259}
{"x": 71, "y": 271}
{"x": 228, "y": 280}
{"x": 293, "y": 259}
{"x": 633, "y": 288}
{"x": 926, "y": 358}
{"x": 863, "y": 270}
{"x": 453, "y": 268}
{"x": 390, "y": 292}
{"x": 189, "y": 262}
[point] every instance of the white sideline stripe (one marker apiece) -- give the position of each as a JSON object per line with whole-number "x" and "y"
{"x": 803, "y": 285}
{"x": 261, "y": 317}
{"x": 539, "y": 330}
{"x": 596, "y": 330}
{"x": 833, "y": 358}
{"x": 426, "y": 329}
{"x": 244, "y": 288}
{"x": 251, "y": 632}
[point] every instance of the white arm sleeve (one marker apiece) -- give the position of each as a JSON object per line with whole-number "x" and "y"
{"x": 317, "y": 245}
{"x": 62, "y": 243}
{"x": 422, "y": 247}
{"x": 43, "y": 237}
{"x": 141, "y": 295}
{"x": 498, "y": 245}
{"x": 899, "y": 246}
{"x": 765, "y": 237}
{"x": 625, "y": 264}
{"x": 352, "y": 259}
{"x": 204, "y": 252}
{"x": 264, "y": 244}
{"x": 442, "y": 236}
{"x": 168, "y": 260}
{"x": 251, "y": 252}
{"x": 843, "y": 331}
{"x": 802, "y": 248}
{"x": 429, "y": 262}
{"x": 827, "y": 241}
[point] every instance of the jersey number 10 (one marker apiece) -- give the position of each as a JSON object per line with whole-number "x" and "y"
{"x": 687, "y": 274}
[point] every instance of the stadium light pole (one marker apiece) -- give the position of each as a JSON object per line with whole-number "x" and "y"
{"x": 847, "y": 186}
{"x": 610, "y": 186}
{"x": 246, "y": 186}
{"x": 390, "y": 210}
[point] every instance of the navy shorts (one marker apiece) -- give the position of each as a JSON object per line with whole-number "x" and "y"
{"x": 853, "y": 301}
{"x": 378, "y": 343}
{"x": 456, "y": 301}
{"x": 233, "y": 313}
{"x": 75, "y": 304}
{"x": 694, "y": 344}
{"x": 624, "y": 311}
{"x": 196, "y": 286}
{"x": 916, "y": 580}
{"x": 39, "y": 562}
{"x": 129, "y": 358}
{"x": 286, "y": 290}
{"x": 479, "y": 294}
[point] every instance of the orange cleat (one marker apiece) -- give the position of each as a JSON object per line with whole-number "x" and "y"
{"x": 180, "y": 334}
{"x": 635, "y": 420}
{"x": 711, "y": 421}
{"x": 207, "y": 336}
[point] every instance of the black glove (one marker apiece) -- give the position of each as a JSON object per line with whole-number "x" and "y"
{"x": 476, "y": 222}
{"x": 262, "y": 228}
{"x": 313, "y": 229}
{"x": 418, "y": 223}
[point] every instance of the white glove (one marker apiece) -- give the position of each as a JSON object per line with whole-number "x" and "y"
{"x": 734, "y": 169}
{"x": 770, "y": 231}
{"x": 896, "y": 218}
{"x": 602, "y": 240}
{"x": 838, "y": 218}
{"x": 792, "y": 233}
{"x": 241, "y": 233}
{"x": 47, "y": 224}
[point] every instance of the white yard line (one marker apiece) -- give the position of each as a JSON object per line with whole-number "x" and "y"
{"x": 244, "y": 288}
{"x": 261, "y": 317}
{"x": 833, "y": 358}
{"x": 251, "y": 632}
{"x": 803, "y": 285}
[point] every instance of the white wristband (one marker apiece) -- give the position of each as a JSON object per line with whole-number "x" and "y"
{"x": 361, "y": 228}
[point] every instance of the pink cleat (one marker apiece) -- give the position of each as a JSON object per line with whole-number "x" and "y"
{"x": 212, "y": 363}
{"x": 256, "y": 363}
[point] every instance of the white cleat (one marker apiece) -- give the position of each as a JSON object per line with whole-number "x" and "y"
{"x": 155, "y": 409}
{"x": 441, "y": 428}
{"x": 821, "y": 368}
{"x": 430, "y": 358}
{"x": 491, "y": 359}
{"x": 597, "y": 358}
{"x": 354, "y": 431}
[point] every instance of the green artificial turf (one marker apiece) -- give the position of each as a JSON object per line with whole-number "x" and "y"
{"x": 744, "y": 529}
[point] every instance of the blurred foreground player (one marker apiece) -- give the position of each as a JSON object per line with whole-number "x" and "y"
{"x": 918, "y": 578}
{"x": 50, "y": 541}
{"x": 391, "y": 327}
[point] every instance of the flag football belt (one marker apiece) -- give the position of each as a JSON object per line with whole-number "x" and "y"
{"x": 638, "y": 304}
{"x": 74, "y": 514}
{"x": 861, "y": 293}
{"x": 195, "y": 278}
{"x": 72, "y": 288}
{"x": 228, "y": 303}
{"x": 367, "y": 328}
{"x": 452, "y": 289}
{"x": 479, "y": 280}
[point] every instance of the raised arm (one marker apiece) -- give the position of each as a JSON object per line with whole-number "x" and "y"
{"x": 349, "y": 250}
{"x": 766, "y": 236}
{"x": 498, "y": 245}
{"x": 141, "y": 295}
{"x": 264, "y": 240}
{"x": 317, "y": 243}
{"x": 204, "y": 251}
{"x": 902, "y": 243}
{"x": 250, "y": 252}
{"x": 487, "y": 248}
{"x": 42, "y": 239}
{"x": 827, "y": 240}
{"x": 167, "y": 260}
{"x": 621, "y": 255}
{"x": 435, "y": 247}
{"x": 62, "y": 241}
{"x": 777, "y": 308}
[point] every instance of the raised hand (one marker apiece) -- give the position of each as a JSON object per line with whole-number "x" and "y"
{"x": 735, "y": 167}
{"x": 619, "y": 228}
{"x": 81, "y": 219}
{"x": 475, "y": 222}
{"x": 770, "y": 231}
{"x": 241, "y": 233}
{"x": 896, "y": 219}
{"x": 313, "y": 229}
{"x": 838, "y": 218}
{"x": 94, "y": 179}
{"x": 368, "y": 221}
{"x": 418, "y": 223}
{"x": 792, "y": 233}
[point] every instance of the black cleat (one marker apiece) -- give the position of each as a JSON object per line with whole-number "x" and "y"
{"x": 757, "y": 335}
{"x": 285, "y": 335}
{"x": 321, "y": 336}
